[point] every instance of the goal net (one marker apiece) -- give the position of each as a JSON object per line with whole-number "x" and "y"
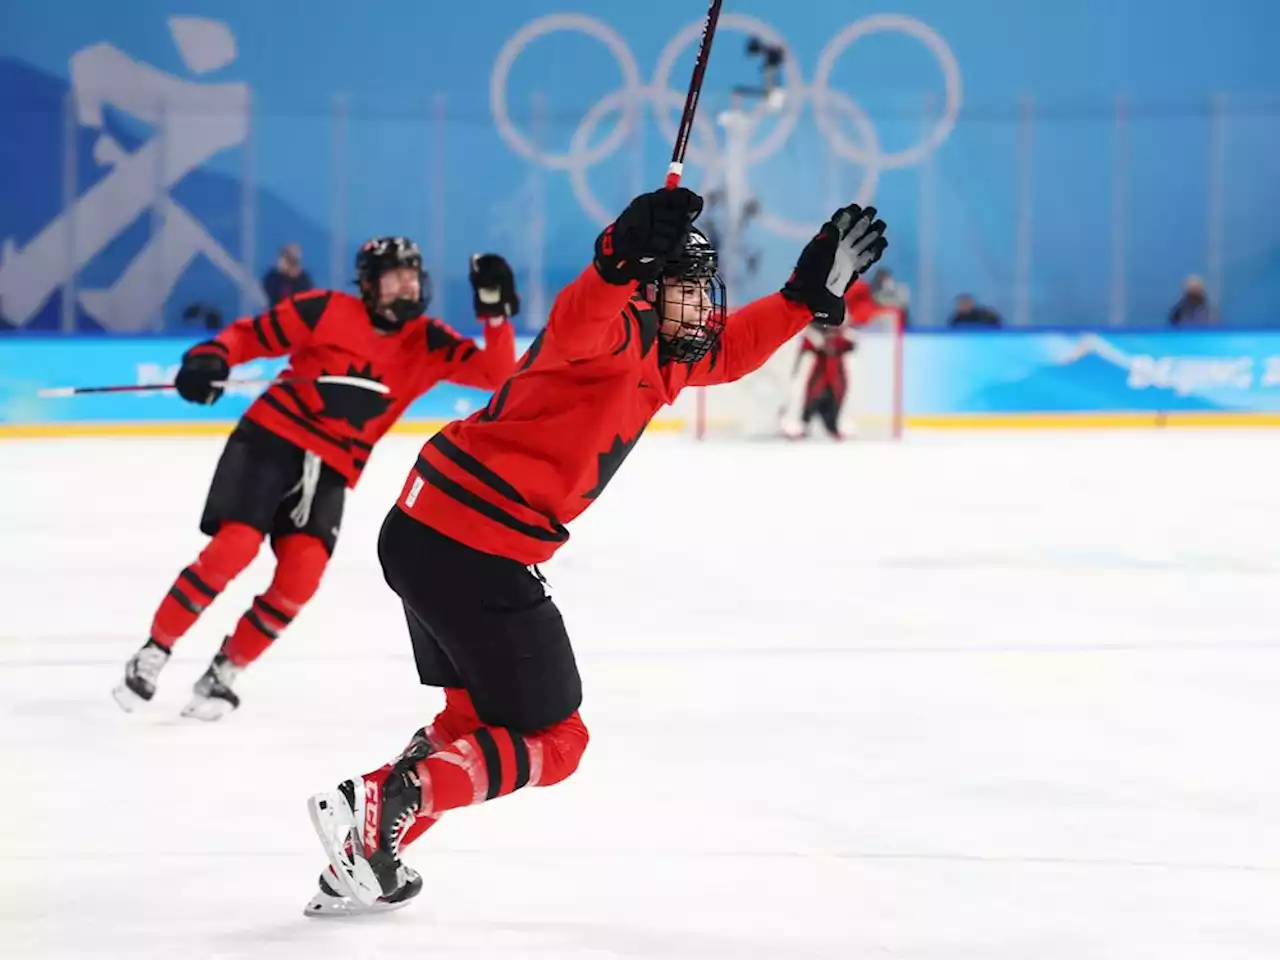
{"x": 770, "y": 402}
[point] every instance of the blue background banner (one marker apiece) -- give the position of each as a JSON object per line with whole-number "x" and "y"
{"x": 1068, "y": 164}
{"x": 954, "y": 374}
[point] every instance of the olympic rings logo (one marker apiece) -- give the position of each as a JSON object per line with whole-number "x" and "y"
{"x": 629, "y": 100}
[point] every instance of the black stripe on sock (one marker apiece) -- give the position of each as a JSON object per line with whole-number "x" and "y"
{"x": 521, "y": 750}
{"x": 492, "y": 760}
{"x": 184, "y": 601}
{"x": 195, "y": 580}
{"x": 257, "y": 623}
{"x": 275, "y": 613}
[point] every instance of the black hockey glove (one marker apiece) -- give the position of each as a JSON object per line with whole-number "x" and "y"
{"x": 493, "y": 286}
{"x": 848, "y": 243}
{"x": 650, "y": 231}
{"x": 202, "y": 366}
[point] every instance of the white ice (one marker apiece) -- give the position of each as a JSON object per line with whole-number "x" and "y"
{"x": 962, "y": 698}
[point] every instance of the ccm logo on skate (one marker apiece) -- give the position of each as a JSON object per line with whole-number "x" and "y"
{"x": 371, "y": 817}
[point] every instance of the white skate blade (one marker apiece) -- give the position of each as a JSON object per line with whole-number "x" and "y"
{"x": 127, "y": 699}
{"x": 336, "y": 825}
{"x": 207, "y": 709}
{"x": 324, "y": 907}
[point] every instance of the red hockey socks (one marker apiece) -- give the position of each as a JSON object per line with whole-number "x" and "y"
{"x": 300, "y": 563}
{"x": 492, "y": 762}
{"x": 223, "y": 558}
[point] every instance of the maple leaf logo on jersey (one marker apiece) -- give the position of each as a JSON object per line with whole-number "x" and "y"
{"x": 356, "y": 405}
{"x": 610, "y": 460}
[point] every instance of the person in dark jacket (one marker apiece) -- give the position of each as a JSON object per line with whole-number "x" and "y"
{"x": 287, "y": 278}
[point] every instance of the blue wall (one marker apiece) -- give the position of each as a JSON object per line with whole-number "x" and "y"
{"x": 390, "y": 167}
{"x": 945, "y": 375}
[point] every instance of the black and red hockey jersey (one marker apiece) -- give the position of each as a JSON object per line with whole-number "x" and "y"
{"x": 509, "y": 478}
{"x": 328, "y": 332}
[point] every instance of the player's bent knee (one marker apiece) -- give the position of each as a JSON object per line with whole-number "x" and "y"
{"x": 562, "y": 746}
{"x": 300, "y": 564}
{"x": 230, "y": 550}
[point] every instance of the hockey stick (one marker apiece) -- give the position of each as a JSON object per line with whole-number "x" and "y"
{"x": 676, "y": 169}
{"x": 362, "y": 383}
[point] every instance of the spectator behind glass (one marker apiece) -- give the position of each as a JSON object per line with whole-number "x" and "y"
{"x": 287, "y": 277}
{"x": 968, "y": 314}
{"x": 889, "y": 292}
{"x": 1193, "y": 309}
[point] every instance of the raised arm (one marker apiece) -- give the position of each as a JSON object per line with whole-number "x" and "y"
{"x": 586, "y": 319}
{"x": 461, "y": 361}
{"x": 848, "y": 243}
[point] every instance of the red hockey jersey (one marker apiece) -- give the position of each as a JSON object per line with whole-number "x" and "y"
{"x": 327, "y": 332}
{"x": 509, "y": 478}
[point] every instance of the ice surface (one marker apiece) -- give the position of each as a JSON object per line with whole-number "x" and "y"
{"x": 985, "y": 697}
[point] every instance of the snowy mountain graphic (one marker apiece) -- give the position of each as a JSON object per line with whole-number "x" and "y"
{"x": 1093, "y": 372}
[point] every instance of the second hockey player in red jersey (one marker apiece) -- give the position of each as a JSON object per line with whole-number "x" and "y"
{"x": 490, "y": 498}
{"x": 285, "y": 469}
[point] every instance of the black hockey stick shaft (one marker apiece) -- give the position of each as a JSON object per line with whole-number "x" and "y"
{"x": 676, "y": 169}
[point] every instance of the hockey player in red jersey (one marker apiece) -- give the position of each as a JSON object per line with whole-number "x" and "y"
{"x": 285, "y": 469}
{"x": 819, "y": 382}
{"x": 490, "y": 498}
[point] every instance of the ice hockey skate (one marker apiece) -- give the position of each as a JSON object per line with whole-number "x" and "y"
{"x": 362, "y": 823}
{"x": 212, "y": 697}
{"x": 140, "y": 673}
{"x": 330, "y": 903}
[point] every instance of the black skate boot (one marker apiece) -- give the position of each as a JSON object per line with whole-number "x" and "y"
{"x": 212, "y": 697}
{"x": 329, "y": 900}
{"x": 139, "y": 683}
{"x": 362, "y": 823}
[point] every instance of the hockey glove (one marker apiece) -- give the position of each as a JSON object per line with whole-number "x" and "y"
{"x": 848, "y": 243}
{"x": 493, "y": 286}
{"x": 202, "y": 366}
{"x": 650, "y": 231}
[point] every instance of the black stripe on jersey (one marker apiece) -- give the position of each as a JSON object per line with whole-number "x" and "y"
{"x": 284, "y": 411}
{"x": 438, "y": 338}
{"x": 521, "y": 750}
{"x": 626, "y": 326}
{"x": 311, "y": 307}
{"x": 361, "y": 445}
{"x": 194, "y": 579}
{"x": 290, "y": 391}
{"x": 272, "y": 611}
{"x": 274, "y": 316}
{"x": 184, "y": 601}
{"x": 260, "y": 333}
{"x": 648, "y": 322}
{"x": 358, "y": 462}
{"x": 471, "y": 465}
{"x": 492, "y": 760}
{"x": 483, "y": 507}
{"x": 468, "y": 350}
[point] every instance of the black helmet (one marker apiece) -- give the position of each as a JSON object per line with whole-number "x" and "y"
{"x": 379, "y": 255}
{"x": 697, "y": 262}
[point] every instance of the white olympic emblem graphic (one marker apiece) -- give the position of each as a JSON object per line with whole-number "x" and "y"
{"x": 630, "y": 99}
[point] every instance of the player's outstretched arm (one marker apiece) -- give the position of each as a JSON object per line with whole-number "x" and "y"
{"x": 284, "y": 328}
{"x": 494, "y": 296}
{"x": 848, "y": 243}
{"x": 586, "y": 319}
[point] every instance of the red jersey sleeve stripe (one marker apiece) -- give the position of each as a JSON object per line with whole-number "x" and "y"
{"x": 261, "y": 334}
{"x": 483, "y": 507}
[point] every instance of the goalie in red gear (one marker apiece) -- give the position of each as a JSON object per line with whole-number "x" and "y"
{"x": 285, "y": 469}
{"x": 490, "y": 497}
{"x": 819, "y": 382}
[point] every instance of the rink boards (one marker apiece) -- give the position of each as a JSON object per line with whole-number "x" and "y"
{"x": 973, "y": 380}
